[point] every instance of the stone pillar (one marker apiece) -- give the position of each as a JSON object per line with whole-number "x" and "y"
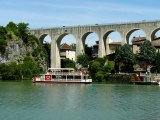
{"x": 101, "y": 50}
{"x": 107, "y": 46}
{"x": 124, "y": 38}
{"x": 148, "y": 35}
{"x": 55, "y": 57}
{"x": 79, "y": 45}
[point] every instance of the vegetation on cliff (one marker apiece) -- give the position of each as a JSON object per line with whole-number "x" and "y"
{"x": 21, "y": 54}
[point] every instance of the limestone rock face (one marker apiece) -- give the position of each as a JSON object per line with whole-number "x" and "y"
{"x": 16, "y": 51}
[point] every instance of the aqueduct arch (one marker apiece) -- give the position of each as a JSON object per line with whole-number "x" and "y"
{"x": 125, "y": 29}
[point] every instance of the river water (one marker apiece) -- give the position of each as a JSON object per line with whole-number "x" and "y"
{"x": 29, "y": 101}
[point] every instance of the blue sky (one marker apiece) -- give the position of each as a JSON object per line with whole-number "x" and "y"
{"x": 50, "y": 13}
{"x": 53, "y": 13}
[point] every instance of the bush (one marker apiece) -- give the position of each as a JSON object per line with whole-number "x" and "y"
{"x": 99, "y": 76}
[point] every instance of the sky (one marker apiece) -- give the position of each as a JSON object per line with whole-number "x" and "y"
{"x": 57, "y": 13}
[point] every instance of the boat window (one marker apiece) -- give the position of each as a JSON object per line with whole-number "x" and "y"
{"x": 53, "y": 76}
{"x": 63, "y": 77}
{"x": 69, "y": 77}
{"x": 77, "y": 77}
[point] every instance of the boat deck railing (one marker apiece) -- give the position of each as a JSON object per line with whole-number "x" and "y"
{"x": 69, "y": 73}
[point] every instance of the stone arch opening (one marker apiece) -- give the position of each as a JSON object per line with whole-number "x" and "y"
{"x": 135, "y": 35}
{"x": 135, "y": 38}
{"x": 45, "y": 39}
{"x": 66, "y": 48}
{"x": 90, "y": 41}
{"x": 155, "y": 38}
{"x": 155, "y": 34}
{"x": 112, "y": 39}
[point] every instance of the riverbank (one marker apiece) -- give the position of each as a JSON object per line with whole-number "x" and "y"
{"x": 119, "y": 78}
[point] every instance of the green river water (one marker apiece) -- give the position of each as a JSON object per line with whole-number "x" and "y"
{"x": 29, "y": 101}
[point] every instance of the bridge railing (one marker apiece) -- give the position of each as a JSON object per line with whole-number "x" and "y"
{"x": 104, "y": 24}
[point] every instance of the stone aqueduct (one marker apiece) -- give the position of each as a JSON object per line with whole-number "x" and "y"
{"x": 81, "y": 32}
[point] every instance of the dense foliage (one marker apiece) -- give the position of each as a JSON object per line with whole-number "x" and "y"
{"x": 29, "y": 65}
{"x": 67, "y": 63}
{"x": 3, "y": 42}
{"x": 147, "y": 54}
{"x": 124, "y": 57}
{"x": 83, "y": 60}
{"x": 14, "y": 71}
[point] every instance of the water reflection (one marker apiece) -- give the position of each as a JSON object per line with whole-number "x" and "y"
{"x": 78, "y": 101}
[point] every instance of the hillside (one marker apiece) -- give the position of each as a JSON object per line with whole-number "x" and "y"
{"x": 18, "y": 46}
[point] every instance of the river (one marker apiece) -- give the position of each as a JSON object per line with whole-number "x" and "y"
{"x": 29, "y": 101}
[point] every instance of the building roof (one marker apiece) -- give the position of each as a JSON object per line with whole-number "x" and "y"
{"x": 135, "y": 39}
{"x": 65, "y": 46}
{"x": 140, "y": 40}
{"x": 115, "y": 43}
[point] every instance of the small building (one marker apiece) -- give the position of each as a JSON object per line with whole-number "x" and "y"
{"x": 137, "y": 41}
{"x": 110, "y": 47}
{"x": 67, "y": 52}
{"x": 95, "y": 50}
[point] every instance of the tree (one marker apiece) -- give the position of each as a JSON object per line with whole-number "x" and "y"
{"x": 32, "y": 40}
{"x": 124, "y": 56}
{"x": 83, "y": 60}
{"x": 3, "y": 42}
{"x": 11, "y": 26}
{"x": 98, "y": 68}
{"x": 67, "y": 63}
{"x": 47, "y": 47}
{"x": 156, "y": 64}
{"x": 88, "y": 51}
{"x": 117, "y": 58}
{"x": 109, "y": 66}
{"x": 94, "y": 67}
{"x": 147, "y": 54}
{"x": 73, "y": 46}
{"x": 23, "y": 32}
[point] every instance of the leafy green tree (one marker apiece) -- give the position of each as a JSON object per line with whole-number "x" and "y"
{"x": 3, "y": 42}
{"x": 73, "y": 46}
{"x": 124, "y": 55}
{"x": 32, "y": 40}
{"x": 156, "y": 64}
{"x": 147, "y": 54}
{"x": 23, "y": 32}
{"x": 3, "y": 68}
{"x": 99, "y": 76}
{"x": 88, "y": 51}
{"x": 109, "y": 66}
{"x": 3, "y": 31}
{"x": 117, "y": 58}
{"x": 67, "y": 63}
{"x": 11, "y": 26}
{"x": 128, "y": 58}
{"x": 94, "y": 67}
{"x": 102, "y": 61}
{"x": 47, "y": 47}
{"x": 3, "y": 45}
{"x": 83, "y": 60}
{"x": 99, "y": 67}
